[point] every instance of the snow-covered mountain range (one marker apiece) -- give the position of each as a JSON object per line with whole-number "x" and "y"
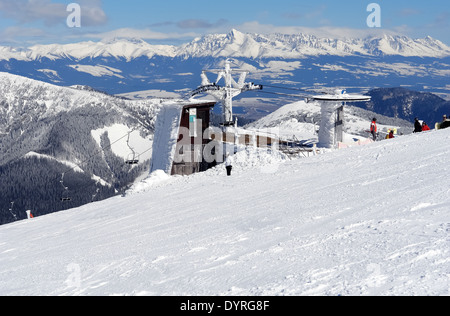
{"x": 118, "y": 48}
{"x": 237, "y": 44}
{"x": 297, "y": 61}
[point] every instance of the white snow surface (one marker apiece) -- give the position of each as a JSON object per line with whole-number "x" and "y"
{"x": 98, "y": 71}
{"x": 69, "y": 164}
{"x": 119, "y": 146}
{"x": 53, "y": 99}
{"x": 369, "y": 220}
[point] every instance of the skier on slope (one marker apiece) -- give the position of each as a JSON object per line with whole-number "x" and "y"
{"x": 374, "y": 129}
{"x": 229, "y": 164}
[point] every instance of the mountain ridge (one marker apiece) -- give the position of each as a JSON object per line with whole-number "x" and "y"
{"x": 237, "y": 44}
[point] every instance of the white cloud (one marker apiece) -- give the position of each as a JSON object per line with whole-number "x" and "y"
{"x": 145, "y": 34}
{"x": 31, "y": 10}
{"x": 200, "y": 24}
{"x": 325, "y": 31}
{"x": 92, "y": 13}
{"x": 51, "y": 13}
{"x": 15, "y": 34}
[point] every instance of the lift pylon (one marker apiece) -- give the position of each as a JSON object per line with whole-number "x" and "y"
{"x": 225, "y": 94}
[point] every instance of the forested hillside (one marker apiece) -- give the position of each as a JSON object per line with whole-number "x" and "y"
{"x": 407, "y": 104}
{"x": 46, "y": 131}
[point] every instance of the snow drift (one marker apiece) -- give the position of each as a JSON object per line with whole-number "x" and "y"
{"x": 371, "y": 220}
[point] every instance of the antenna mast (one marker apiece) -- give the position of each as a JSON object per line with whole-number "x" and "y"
{"x": 225, "y": 94}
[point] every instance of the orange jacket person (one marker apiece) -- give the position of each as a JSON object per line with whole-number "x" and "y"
{"x": 374, "y": 129}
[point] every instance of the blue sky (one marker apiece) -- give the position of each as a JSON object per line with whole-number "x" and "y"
{"x": 28, "y": 22}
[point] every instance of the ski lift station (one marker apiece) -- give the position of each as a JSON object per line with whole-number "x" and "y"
{"x": 186, "y": 143}
{"x": 179, "y": 138}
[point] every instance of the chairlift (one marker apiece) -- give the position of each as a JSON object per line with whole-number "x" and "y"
{"x": 11, "y": 210}
{"x": 65, "y": 196}
{"x": 94, "y": 196}
{"x": 133, "y": 158}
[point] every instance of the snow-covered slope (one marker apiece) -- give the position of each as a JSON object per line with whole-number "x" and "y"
{"x": 23, "y": 96}
{"x": 371, "y": 220}
{"x": 301, "y": 119}
{"x": 28, "y": 100}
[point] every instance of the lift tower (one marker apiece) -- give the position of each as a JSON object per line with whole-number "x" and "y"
{"x": 331, "y": 122}
{"x": 230, "y": 90}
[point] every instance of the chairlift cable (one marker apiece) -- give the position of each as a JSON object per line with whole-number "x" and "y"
{"x": 138, "y": 155}
{"x": 287, "y": 88}
{"x": 89, "y": 158}
{"x": 284, "y": 94}
{"x": 133, "y": 160}
{"x": 96, "y": 154}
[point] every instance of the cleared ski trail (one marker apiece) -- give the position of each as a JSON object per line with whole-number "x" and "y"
{"x": 372, "y": 220}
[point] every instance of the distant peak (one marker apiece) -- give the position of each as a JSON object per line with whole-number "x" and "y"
{"x": 236, "y": 33}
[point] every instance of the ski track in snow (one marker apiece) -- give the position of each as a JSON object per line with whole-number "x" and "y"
{"x": 372, "y": 220}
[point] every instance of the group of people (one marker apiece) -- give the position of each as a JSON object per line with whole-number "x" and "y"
{"x": 374, "y": 131}
{"x": 420, "y": 127}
